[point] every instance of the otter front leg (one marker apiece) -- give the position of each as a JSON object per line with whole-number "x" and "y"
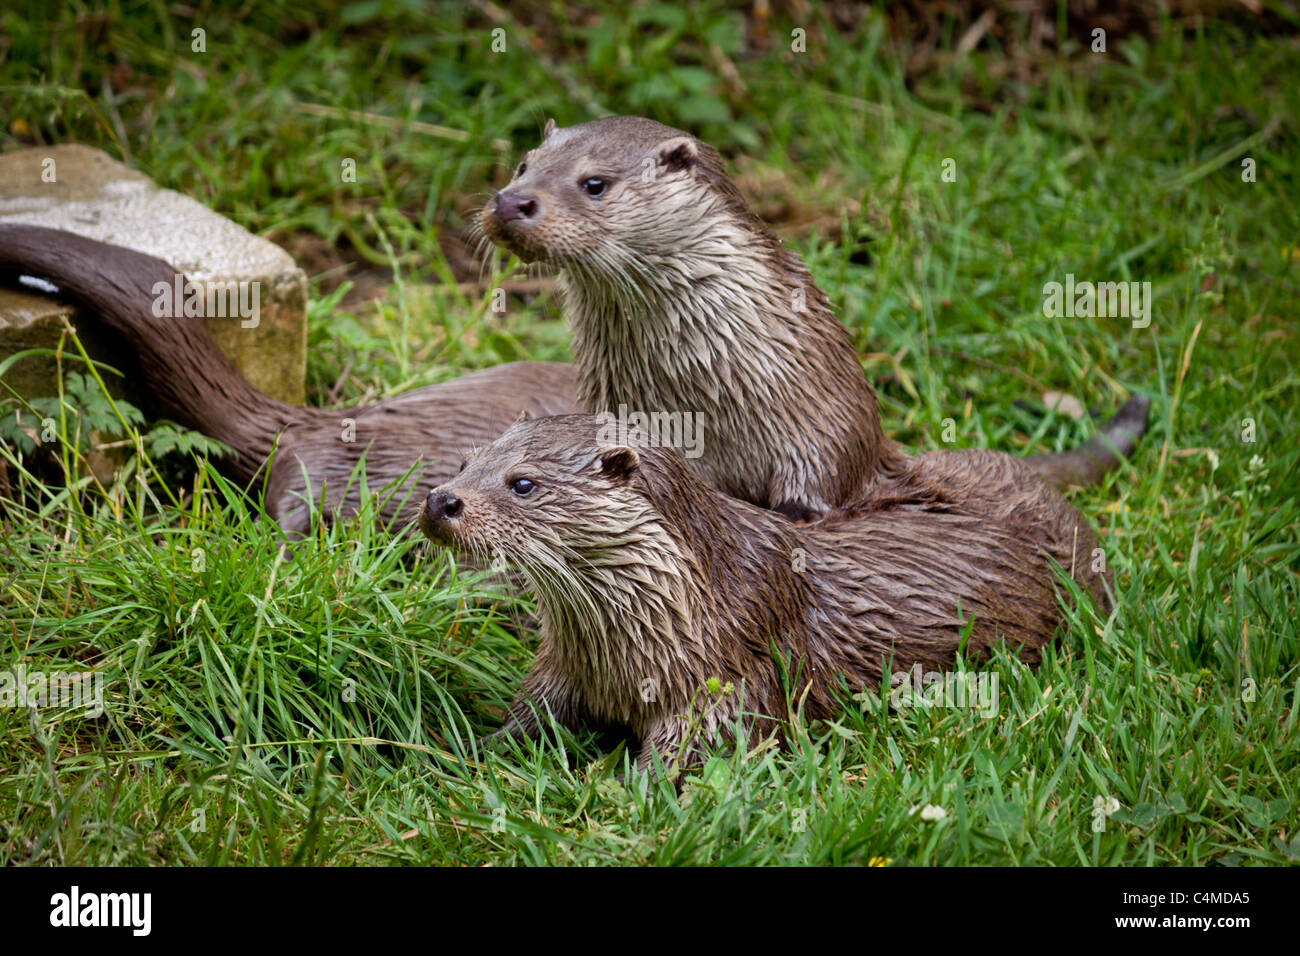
{"x": 680, "y": 745}
{"x": 666, "y": 745}
{"x": 543, "y": 692}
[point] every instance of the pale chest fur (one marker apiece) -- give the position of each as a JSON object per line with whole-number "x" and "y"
{"x": 718, "y": 351}
{"x": 630, "y": 638}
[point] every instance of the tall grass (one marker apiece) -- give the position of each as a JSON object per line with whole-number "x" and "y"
{"x": 327, "y": 703}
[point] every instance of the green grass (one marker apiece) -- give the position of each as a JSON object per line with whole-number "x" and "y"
{"x": 327, "y": 707}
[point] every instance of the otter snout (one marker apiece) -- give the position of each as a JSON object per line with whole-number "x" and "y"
{"x": 509, "y": 219}
{"x": 510, "y": 206}
{"x": 440, "y": 509}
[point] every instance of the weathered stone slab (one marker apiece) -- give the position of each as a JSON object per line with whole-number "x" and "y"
{"x": 95, "y": 196}
{"x": 31, "y": 321}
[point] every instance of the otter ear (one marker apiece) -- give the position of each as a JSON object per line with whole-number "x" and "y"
{"x": 550, "y": 128}
{"x": 680, "y": 152}
{"x": 523, "y": 416}
{"x": 619, "y": 462}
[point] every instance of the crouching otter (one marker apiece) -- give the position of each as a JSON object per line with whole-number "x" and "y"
{"x": 651, "y": 583}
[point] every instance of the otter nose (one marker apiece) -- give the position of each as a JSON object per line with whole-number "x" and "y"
{"x": 441, "y": 506}
{"x": 511, "y": 206}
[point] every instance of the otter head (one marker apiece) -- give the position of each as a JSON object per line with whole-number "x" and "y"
{"x": 551, "y": 497}
{"x": 612, "y": 198}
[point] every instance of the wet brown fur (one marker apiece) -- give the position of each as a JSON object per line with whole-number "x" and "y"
{"x": 409, "y": 441}
{"x": 791, "y": 422}
{"x": 680, "y": 299}
{"x": 649, "y": 579}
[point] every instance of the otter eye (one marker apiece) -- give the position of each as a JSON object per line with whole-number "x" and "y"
{"x": 593, "y": 186}
{"x": 522, "y": 487}
{"x": 463, "y": 463}
{"x": 523, "y": 167}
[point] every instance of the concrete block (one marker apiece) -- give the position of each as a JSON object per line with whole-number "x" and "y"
{"x": 83, "y": 190}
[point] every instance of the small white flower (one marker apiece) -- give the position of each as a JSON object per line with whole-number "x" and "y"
{"x": 932, "y": 813}
{"x": 1106, "y": 806}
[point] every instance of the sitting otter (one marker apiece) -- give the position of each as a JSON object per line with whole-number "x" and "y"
{"x": 682, "y": 301}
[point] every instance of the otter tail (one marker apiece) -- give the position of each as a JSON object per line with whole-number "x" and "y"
{"x": 193, "y": 382}
{"x": 1088, "y": 463}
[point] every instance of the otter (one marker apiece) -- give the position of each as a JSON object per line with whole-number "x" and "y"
{"x": 407, "y": 441}
{"x": 680, "y": 300}
{"x": 652, "y": 584}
